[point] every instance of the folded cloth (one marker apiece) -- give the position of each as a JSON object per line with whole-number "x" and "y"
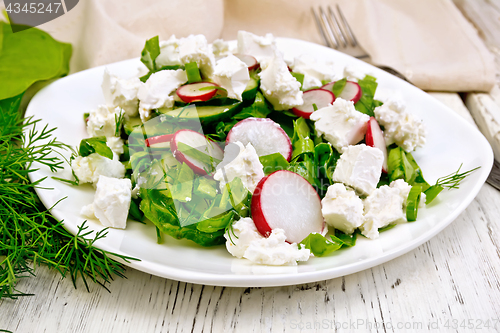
{"x": 106, "y": 31}
{"x": 428, "y": 41}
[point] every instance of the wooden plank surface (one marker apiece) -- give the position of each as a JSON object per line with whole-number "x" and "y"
{"x": 448, "y": 282}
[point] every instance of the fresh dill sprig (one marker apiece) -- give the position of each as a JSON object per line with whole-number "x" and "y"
{"x": 29, "y": 234}
{"x": 119, "y": 122}
{"x": 454, "y": 179}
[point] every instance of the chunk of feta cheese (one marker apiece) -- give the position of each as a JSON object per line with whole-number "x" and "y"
{"x": 157, "y": 91}
{"x": 112, "y": 201}
{"x": 342, "y": 208}
{"x": 242, "y": 162}
{"x": 169, "y": 53}
{"x": 257, "y": 46}
{"x": 352, "y": 73}
{"x": 115, "y": 144}
{"x": 89, "y": 168}
{"x": 314, "y": 71}
{"x": 121, "y": 93}
{"x": 222, "y": 49}
{"x": 244, "y": 241}
{"x": 383, "y": 206}
{"x": 194, "y": 48}
{"x": 281, "y": 89}
{"x": 400, "y": 127}
{"x": 404, "y": 189}
{"x": 102, "y": 121}
{"x": 339, "y": 123}
{"x": 360, "y": 167}
{"x": 232, "y": 74}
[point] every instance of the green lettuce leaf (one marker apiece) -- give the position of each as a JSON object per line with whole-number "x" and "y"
{"x": 319, "y": 245}
{"x": 301, "y": 142}
{"x": 29, "y": 56}
{"x": 260, "y": 108}
{"x": 97, "y": 145}
{"x": 366, "y": 103}
{"x": 159, "y": 208}
{"x": 273, "y": 162}
{"x": 338, "y": 87}
{"x": 150, "y": 52}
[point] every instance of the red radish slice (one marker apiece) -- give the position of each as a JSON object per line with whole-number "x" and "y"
{"x": 318, "y": 97}
{"x": 351, "y": 91}
{"x": 197, "y": 92}
{"x": 287, "y": 201}
{"x": 375, "y": 138}
{"x": 266, "y": 136}
{"x": 192, "y": 139}
{"x": 159, "y": 141}
{"x": 250, "y": 61}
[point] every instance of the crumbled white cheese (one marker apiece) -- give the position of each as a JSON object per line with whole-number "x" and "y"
{"x": 115, "y": 144}
{"x": 121, "y": 93}
{"x": 89, "y": 168}
{"x": 383, "y": 206}
{"x": 157, "y": 91}
{"x": 112, "y": 201}
{"x": 340, "y": 123}
{"x": 169, "y": 53}
{"x": 342, "y": 208}
{"x": 353, "y": 73}
{"x": 232, "y": 74}
{"x": 242, "y": 162}
{"x": 221, "y": 48}
{"x": 256, "y": 46}
{"x": 360, "y": 167}
{"x": 136, "y": 191}
{"x": 102, "y": 121}
{"x": 88, "y": 211}
{"x": 281, "y": 89}
{"x": 194, "y": 48}
{"x": 404, "y": 189}
{"x": 314, "y": 71}
{"x": 400, "y": 127}
{"x": 244, "y": 241}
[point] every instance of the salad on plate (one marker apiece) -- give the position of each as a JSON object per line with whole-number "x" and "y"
{"x": 279, "y": 159}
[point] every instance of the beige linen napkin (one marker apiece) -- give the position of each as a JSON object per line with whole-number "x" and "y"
{"x": 106, "y": 31}
{"x": 428, "y": 41}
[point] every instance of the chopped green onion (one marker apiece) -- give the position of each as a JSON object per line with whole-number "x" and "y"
{"x": 192, "y": 72}
{"x": 432, "y": 192}
{"x": 315, "y": 107}
{"x": 412, "y": 203}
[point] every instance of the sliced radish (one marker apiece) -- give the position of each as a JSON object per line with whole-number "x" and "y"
{"x": 351, "y": 91}
{"x": 197, "y": 92}
{"x": 287, "y": 201}
{"x": 250, "y": 61}
{"x": 266, "y": 136}
{"x": 318, "y": 97}
{"x": 159, "y": 141}
{"x": 375, "y": 138}
{"x": 185, "y": 139}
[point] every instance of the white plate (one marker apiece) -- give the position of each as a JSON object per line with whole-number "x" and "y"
{"x": 450, "y": 142}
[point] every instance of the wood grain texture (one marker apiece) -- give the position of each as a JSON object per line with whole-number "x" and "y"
{"x": 452, "y": 278}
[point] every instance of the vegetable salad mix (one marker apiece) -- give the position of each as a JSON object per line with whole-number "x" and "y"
{"x": 197, "y": 144}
